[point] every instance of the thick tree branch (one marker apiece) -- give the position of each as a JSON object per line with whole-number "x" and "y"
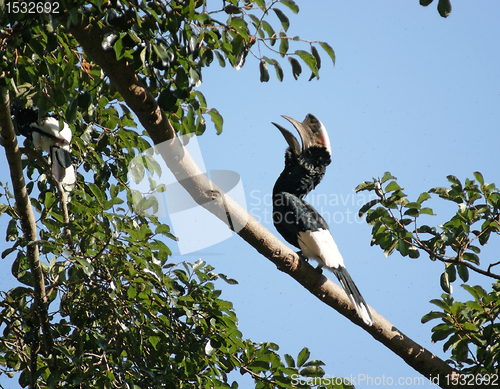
{"x": 202, "y": 190}
{"x": 26, "y": 217}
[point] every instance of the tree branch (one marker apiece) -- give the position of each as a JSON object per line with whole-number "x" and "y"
{"x": 26, "y": 218}
{"x": 136, "y": 96}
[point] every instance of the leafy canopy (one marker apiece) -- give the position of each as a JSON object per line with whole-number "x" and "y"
{"x": 471, "y": 329}
{"x": 119, "y": 311}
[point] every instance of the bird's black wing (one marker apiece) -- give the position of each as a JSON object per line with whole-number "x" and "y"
{"x": 292, "y": 215}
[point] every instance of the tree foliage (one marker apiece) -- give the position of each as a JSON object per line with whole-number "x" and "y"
{"x": 472, "y": 328}
{"x": 112, "y": 308}
{"x": 443, "y": 7}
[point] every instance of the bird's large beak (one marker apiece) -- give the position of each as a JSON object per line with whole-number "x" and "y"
{"x": 290, "y": 139}
{"x": 312, "y": 133}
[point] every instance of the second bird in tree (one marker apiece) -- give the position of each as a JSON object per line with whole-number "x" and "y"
{"x": 295, "y": 219}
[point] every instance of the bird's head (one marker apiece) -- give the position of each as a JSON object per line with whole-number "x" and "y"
{"x": 312, "y": 133}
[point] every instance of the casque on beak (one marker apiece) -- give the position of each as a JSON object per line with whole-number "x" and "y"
{"x": 312, "y": 133}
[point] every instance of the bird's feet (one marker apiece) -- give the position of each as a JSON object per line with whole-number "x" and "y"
{"x": 319, "y": 269}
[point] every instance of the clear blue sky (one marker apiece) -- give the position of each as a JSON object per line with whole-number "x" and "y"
{"x": 411, "y": 93}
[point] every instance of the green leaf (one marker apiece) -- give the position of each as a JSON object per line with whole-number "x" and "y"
{"x": 423, "y": 197}
{"x": 425, "y": 3}
{"x": 329, "y": 50}
{"x": 451, "y": 271}
{"x": 455, "y": 181}
{"x": 479, "y": 178}
{"x": 230, "y": 281}
{"x": 431, "y": 316}
{"x": 283, "y": 18}
{"x": 392, "y": 186}
{"x": 463, "y": 272}
{"x": 119, "y": 49}
{"x": 315, "y": 53}
{"x": 261, "y": 4}
{"x": 312, "y": 371}
{"x": 303, "y": 356}
{"x": 471, "y": 258}
{"x": 291, "y": 4}
{"x": 376, "y": 214}
{"x": 283, "y": 44}
{"x": 270, "y": 31}
{"x": 289, "y": 360}
{"x": 21, "y": 269}
{"x": 6, "y": 252}
{"x": 444, "y": 8}
{"x": 413, "y": 252}
{"x": 309, "y": 60}
{"x": 264, "y": 73}
{"x": 427, "y": 211}
{"x": 367, "y": 206}
{"x": 386, "y": 177}
{"x": 365, "y": 185}
{"x": 216, "y": 119}
{"x": 240, "y": 26}
{"x": 441, "y": 334}
{"x": 279, "y": 70}
{"x": 445, "y": 282}
{"x": 220, "y": 57}
{"x": 296, "y": 68}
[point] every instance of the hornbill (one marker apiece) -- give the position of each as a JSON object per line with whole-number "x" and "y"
{"x": 46, "y": 133}
{"x": 295, "y": 219}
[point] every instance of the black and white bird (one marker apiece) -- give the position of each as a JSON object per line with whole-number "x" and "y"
{"x": 47, "y": 134}
{"x": 295, "y": 219}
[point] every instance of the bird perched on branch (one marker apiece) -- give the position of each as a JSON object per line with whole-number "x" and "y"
{"x": 295, "y": 219}
{"x": 46, "y": 133}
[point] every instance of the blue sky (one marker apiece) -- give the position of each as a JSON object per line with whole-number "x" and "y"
{"x": 411, "y": 93}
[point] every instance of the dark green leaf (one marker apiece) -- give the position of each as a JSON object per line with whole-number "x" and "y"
{"x": 309, "y": 60}
{"x": 425, "y": 3}
{"x": 427, "y": 211}
{"x": 365, "y": 185}
{"x": 315, "y": 53}
{"x": 230, "y": 281}
{"x": 479, "y": 178}
{"x": 279, "y": 70}
{"x": 455, "y": 181}
{"x": 463, "y": 272}
{"x": 441, "y": 334}
{"x": 451, "y": 272}
{"x": 392, "y": 186}
{"x": 270, "y": 31}
{"x": 386, "y": 177}
{"x": 445, "y": 283}
{"x": 296, "y": 68}
{"x": 303, "y": 356}
{"x": 283, "y": 18}
{"x": 261, "y": 4}
{"x": 289, "y": 360}
{"x": 312, "y": 371}
{"x": 291, "y": 4}
{"x": 471, "y": 258}
{"x": 367, "y": 206}
{"x": 432, "y": 315}
{"x": 413, "y": 252}
{"x": 240, "y": 26}
{"x": 264, "y": 74}
{"x": 423, "y": 197}
{"x": 283, "y": 44}
{"x": 329, "y": 51}
{"x": 444, "y": 8}
{"x": 216, "y": 119}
